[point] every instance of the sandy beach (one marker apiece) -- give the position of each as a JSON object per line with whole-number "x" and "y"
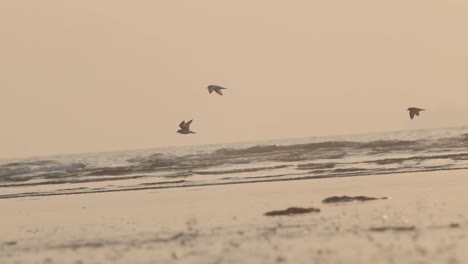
{"x": 424, "y": 220}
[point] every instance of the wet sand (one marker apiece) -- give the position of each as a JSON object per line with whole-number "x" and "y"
{"x": 424, "y": 220}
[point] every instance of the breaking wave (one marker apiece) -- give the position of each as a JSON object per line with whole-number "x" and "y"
{"x": 369, "y": 154}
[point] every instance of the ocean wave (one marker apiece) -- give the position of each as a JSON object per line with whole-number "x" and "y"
{"x": 389, "y": 144}
{"x": 21, "y": 171}
{"x": 160, "y": 162}
{"x": 456, "y": 156}
{"x": 346, "y": 170}
{"x": 267, "y": 161}
{"x": 264, "y": 149}
{"x": 222, "y": 181}
{"x": 312, "y": 166}
{"x": 240, "y": 170}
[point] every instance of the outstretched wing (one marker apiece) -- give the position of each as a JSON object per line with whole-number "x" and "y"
{"x": 218, "y": 91}
{"x": 187, "y": 125}
{"x": 214, "y": 87}
{"x": 411, "y": 114}
{"x": 182, "y": 124}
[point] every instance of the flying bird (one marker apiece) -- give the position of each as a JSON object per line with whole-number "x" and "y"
{"x": 185, "y": 128}
{"x": 414, "y": 111}
{"x": 215, "y": 88}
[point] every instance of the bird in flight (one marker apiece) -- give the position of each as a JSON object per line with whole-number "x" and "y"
{"x": 215, "y": 88}
{"x": 414, "y": 111}
{"x": 185, "y": 128}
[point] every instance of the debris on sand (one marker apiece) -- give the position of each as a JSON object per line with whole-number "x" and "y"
{"x": 392, "y": 228}
{"x": 346, "y": 199}
{"x": 292, "y": 211}
{"x": 452, "y": 225}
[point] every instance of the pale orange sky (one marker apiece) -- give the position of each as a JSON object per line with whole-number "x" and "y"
{"x": 95, "y": 75}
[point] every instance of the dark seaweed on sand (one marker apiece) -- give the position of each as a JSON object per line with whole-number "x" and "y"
{"x": 346, "y": 199}
{"x": 392, "y": 228}
{"x": 292, "y": 211}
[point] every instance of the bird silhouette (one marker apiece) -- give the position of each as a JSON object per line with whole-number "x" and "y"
{"x": 215, "y": 88}
{"x": 414, "y": 111}
{"x": 185, "y": 128}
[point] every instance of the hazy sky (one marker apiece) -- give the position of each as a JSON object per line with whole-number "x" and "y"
{"x": 95, "y": 75}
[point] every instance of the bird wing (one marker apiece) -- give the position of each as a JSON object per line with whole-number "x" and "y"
{"x": 187, "y": 125}
{"x": 218, "y": 91}
{"x": 411, "y": 114}
{"x": 417, "y": 112}
{"x": 210, "y": 89}
{"x": 182, "y": 124}
{"x": 214, "y": 86}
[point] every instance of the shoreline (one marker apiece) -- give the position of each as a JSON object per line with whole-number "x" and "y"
{"x": 304, "y": 178}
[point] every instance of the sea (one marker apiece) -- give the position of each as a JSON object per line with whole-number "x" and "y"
{"x": 238, "y": 163}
